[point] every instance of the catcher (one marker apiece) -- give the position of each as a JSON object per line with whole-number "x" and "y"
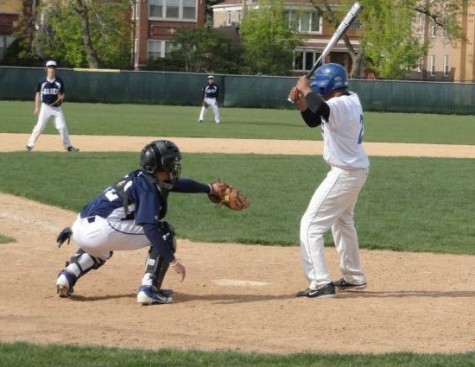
{"x": 130, "y": 215}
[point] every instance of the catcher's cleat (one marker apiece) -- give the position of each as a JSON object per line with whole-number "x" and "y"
{"x": 342, "y": 285}
{"x": 72, "y": 149}
{"x": 327, "y": 291}
{"x": 64, "y": 284}
{"x": 149, "y": 295}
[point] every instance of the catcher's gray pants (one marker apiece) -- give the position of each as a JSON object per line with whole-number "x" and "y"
{"x": 332, "y": 207}
{"x": 99, "y": 236}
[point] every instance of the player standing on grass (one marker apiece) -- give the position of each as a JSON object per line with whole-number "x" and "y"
{"x": 210, "y": 99}
{"x": 50, "y": 93}
{"x": 327, "y": 102}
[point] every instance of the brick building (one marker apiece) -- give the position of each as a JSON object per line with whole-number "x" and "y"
{"x": 155, "y": 22}
{"x": 316, "y": 32}
{"x": 10, "y": 11}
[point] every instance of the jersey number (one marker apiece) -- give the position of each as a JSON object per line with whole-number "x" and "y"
{"x": 361, "y": 136}
{"x": 111, "y": 194}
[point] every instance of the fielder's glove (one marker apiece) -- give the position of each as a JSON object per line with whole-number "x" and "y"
{"x": 224, "y": 194}
{"x": 205, "y": 104}
{"x": 57, "y": 103}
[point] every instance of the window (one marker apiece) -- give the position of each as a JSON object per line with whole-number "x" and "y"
{"x": 304, "y": 60}
{"x": 159, "y": 48}
{"x": 305, "y": 22}
{"x": 228, "y": 18}
{"x": 421, "y": 24}
{"x": 433, "y": 31}
{"x": 172, "y": 9}
{"x": 446, "y": 65}
{"x": 432, "y": 65}
{"x": 189, "y": 9}
{"x": 156, "y": 8}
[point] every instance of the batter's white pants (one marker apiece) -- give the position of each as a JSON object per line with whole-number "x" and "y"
{"x": 214, "y": 106}
{"x": 332, "y": 206}
{"x": 47, "y": 112}
{"x": 98, "y": 236}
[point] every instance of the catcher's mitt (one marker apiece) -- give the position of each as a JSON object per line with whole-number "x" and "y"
{"x": 224, "y": 194}
{"x": 205, "y": 104}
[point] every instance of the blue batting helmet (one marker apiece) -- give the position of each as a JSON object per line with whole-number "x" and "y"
{"x": 329, "y": 77}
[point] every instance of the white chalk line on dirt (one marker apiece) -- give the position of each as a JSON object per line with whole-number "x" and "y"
{"x": 239, "y": 283}
{"x": 88, "y": 143}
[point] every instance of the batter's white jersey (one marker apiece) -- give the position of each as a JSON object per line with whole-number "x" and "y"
{"x": 343, "y": 133}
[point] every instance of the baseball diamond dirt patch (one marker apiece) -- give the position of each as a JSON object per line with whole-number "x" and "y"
{"x": 235, "y": 297}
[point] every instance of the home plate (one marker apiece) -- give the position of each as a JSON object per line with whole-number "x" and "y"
{"x": 238, "y": 283}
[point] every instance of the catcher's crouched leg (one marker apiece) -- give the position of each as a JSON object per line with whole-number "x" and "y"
{"x": 156, "y": 268}
{"x": 79, "y": 264}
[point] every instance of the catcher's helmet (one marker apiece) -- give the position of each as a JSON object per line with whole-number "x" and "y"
{"x": 329, "y": 77}
{"x": 161, "y": 155}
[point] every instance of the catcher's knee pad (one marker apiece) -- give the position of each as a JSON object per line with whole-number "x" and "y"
{"x": 156, "y": 265}
{"x": 82, "y": 262}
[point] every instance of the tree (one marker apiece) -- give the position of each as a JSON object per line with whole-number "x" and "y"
{"x": 203, "y": 50}
{"x": 389, "y": 46}
{"x": 85, "y": 32}
{"x": 267, "y": 40}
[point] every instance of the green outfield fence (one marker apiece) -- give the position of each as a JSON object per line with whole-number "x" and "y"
{"x": 166, "y": 88}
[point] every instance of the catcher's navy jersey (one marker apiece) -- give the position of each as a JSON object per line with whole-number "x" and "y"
{"x": 211, "y": 91}
{"x": 135, "y": 197}
{"x": 50, "y": 90}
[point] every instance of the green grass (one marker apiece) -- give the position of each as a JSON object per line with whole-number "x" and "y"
{"x": 151, "y": 120}
{"x": 6, "y": 239}
{"x": 26, "y": 355}
{"x": 408, "y": 204}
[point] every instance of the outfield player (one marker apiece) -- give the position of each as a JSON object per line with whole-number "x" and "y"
{"x": 50, "y": 93}
{"x": 210, "y": 99}
{"x": 129, "y": 215}
{"x": 326, "y": 102}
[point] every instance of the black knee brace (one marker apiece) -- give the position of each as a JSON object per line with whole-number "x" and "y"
{"x": 156, "y": 264}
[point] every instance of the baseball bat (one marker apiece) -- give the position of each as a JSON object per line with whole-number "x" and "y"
{"x": 341, "y": 29}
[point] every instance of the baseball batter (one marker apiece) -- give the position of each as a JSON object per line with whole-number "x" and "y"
{"x": 326, "y": 102}
{"x": 130, "y": 215}
{"x": 50, "y": 93}
{"x": 211, "y": 93}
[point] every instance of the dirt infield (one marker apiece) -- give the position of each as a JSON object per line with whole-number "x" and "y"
{"x": 235, "y": 297}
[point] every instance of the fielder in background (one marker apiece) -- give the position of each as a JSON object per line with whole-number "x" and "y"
{"x": 326, "y": 102}
{"x": 50, "y": 92}
{"x": 210, "y": 99}
{"x": 129, "y": 215}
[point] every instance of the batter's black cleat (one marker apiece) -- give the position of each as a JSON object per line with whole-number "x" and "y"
{"x": 149, "y": 295}
{"x": 327, "y": 291}
{"x": 72, "y": 149}
{"x": 342, "y": 285}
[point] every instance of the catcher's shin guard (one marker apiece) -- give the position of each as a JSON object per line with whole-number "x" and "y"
{"x": 156, "y": 265}
{"x": 79, "y": 264}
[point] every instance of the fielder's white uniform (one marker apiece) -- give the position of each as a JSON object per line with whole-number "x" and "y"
{"x": 49, "y": 91}
{"x": 211, "y": 93}
{"x": 332, "y": 204}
